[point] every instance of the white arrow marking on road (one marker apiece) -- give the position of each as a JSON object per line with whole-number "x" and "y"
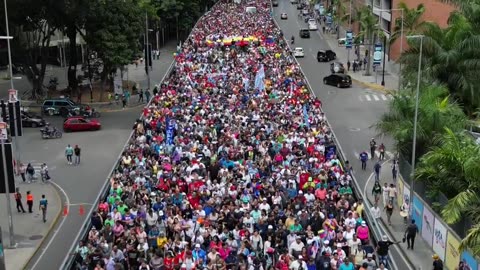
{"x": 376, "y": 98}
{"x": 368, "y": 97}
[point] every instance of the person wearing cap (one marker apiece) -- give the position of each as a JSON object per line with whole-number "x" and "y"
{"x": 382, "y": 249}
{"x": 371, "y": 263}
{"x": 298, "y": 263}
{"x": 437, "y": 262}
{"x": 363, "y": 233}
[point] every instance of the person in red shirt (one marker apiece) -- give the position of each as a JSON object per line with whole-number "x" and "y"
{"x": 168, "y": 261}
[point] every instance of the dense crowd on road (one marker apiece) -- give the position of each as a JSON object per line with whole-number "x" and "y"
{"x": 232, "y": 165}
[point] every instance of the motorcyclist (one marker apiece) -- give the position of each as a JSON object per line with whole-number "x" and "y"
{"x": 88, "y": 111}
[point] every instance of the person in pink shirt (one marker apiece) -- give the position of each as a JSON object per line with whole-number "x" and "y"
{"x": 363, "y": 233}
{"x": 321, "y": 193}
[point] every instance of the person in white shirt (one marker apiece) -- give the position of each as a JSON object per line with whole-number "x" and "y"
{"x": 297, "y": 264}
{"x": 341, "y": 253}
{"x": 354, "y": 243}
{"x": 325, "y": 248}
{"x": 350, "y": 221}
{"x": 309, "y": 197}
{"x": 385, "y": 191}
{"x": 264, "y": 205}
{"x": 376, "y": 212}
{"x": 296, "y": 247}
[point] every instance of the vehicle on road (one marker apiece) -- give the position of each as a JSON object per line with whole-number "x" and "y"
{"x": 283, "y": 16}
{"x": 298, "y": 52}
{"x": 300, "y": 6}
{"x": 30, "y": 120}
{"x": 304, "y": 33}
{"x": 50, "y": 133}
{"x": 59, "y": 106}
{"x": 275, "y": 3}
{"x": 79, "y": 123}
{"x": 337, "y": 67}
{"x": 293, "y": 1}
{"x": 326, "y": 55}
{"x": 338, "y": 80}
{"x": 305, "y": 12}
{"x": 312, "y": 24}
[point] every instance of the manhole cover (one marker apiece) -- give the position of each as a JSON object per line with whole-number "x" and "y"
{"x": 35, "y": 237}
{"x": 354, "y": 129}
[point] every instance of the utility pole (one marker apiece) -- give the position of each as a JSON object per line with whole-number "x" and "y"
{"x": 147, "y": 51}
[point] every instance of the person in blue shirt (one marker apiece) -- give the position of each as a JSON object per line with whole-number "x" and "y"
{"x": 199, "y": 253}
{"x": 43, "y": 207}
{"x": 346, "y": 265}
{"x": 363, "y": 159}
{"x": 292, "y": 191}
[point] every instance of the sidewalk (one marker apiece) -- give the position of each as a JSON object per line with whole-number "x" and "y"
{"x": 373, "y": 81}
{"x": 421, "y": 256}
{"x": 30, "y": 231}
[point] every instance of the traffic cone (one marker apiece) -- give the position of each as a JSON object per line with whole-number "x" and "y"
{"x": 65, "y": 210}
{"x": 81, "y": 211}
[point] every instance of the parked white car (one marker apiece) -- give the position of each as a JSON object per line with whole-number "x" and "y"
{"x": 312, "y": 24}
{"x": 298, "y": 52}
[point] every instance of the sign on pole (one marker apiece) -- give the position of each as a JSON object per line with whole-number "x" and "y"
{"x": 3, "y": 131}
{"x": 349, "y": 39}
{"x": 12, "y": 95}
{"x": 377, "y": 54}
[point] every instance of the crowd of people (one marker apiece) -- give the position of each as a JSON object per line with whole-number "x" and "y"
{"x": 231, "y": 166}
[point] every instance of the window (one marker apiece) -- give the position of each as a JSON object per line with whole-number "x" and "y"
{"x": 48, "y": 103}
{"x": 61, "y": 103}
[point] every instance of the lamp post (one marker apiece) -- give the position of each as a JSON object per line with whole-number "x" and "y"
{"x": 401, "y": 42}
{"x": 7, "y": 194}
{"x": 414, "y": 146}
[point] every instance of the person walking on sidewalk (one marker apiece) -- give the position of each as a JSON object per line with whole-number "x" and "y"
{"x": 44, "y": 173}
{"x": 376, "y": 212}
{"x": 30, "y": 172}
{"x": 373, "y": 147}
{"x": 363, "y": 158}
{"x": 385, "y": 190}
{"x": 410, "y": 234}
{"x": 389, "y": 210}
{"x": 77, "y": 152}
{"x": 30, "y": 201}
{"x": 376, "y": 191}
{"x": 376, "y": 169}
{"x": 140, "y": 95}
{"x": 23, "y": 170}
{"x": 18, "y": 200}
{"x": 69, "y": 154}
{"x": 42, "y": 206}
{"x": 381, "y": 149}
{"x": 147, "y": 95}
{"x": 394, "y": 170}
{"x": 392, "y": 193}
{"x": 437, "y": 262}
{"x": 348, "y": 65}
{"x": 382, "y": 249}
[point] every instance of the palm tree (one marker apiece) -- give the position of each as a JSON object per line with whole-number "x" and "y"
{"x": 369, "y": 28}
{"x": 452, "y": 168}
{"x": 339, "y": 13}
{"x": 436, "y": 111}
{"x": 451, "y": 56}
{"x": 411, "y": 21}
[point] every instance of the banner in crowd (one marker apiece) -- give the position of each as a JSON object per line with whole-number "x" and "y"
{"x": 470, "y": 260}
{"x": 427, "y": 226}
{"x": 439, "y": 238}
{"x": 452, "y": 255}
{"x": 417, "y": 211}
{"x": 399, "y": 193}
{"x": 170, "y": 130}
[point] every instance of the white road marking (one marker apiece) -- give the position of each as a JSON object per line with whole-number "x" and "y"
{"x": 59, "y": 226}
{"x": 368, "y": 97}
{"x": 360, "y": 98}
{"x": 384, "y": 97}
{"x": 376, "y": 98}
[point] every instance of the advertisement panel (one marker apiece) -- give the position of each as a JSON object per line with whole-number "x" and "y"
{"x": 399, "y": 193}
{"x": 417, "y": 211}
{"x": 377, "y": 54}
{"x": 452, "y": 255}
{"x": 348, "y": 39}
{"x": 427, "y": 226}
{"x": 469, "y": 260}
{"x": 406, "y": 194}
{"x": 439, "y": 239}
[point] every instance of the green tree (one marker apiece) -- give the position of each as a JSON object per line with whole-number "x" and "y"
{"x": 436, "y": 111}
{"x": 369, "y": 29}
{"x": 113, "y": 29}
{"x": 412, "y": 22}
{"x": 452, "y": 167}
{"x": 450, "y": 56}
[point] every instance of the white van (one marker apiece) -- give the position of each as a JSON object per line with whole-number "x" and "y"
{"x": 251, "y": 10}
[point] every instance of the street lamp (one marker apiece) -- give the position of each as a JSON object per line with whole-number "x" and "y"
{"x": 414, "y": 146}
{"x": 401, "y": 42}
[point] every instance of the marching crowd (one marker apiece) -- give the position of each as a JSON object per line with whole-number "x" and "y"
{"x": 231, "y": 166}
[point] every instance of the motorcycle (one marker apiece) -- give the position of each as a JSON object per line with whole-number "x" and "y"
{"x": 53, "y": 133}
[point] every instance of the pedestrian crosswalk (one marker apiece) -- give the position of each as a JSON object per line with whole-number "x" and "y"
{"x": 375, "y": 97}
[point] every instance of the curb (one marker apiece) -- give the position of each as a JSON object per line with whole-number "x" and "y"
{"x": 372, "y": 86}
{"x": 54, "y": 223}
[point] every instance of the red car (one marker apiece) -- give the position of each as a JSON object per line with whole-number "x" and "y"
{"x": 78, "y": 123}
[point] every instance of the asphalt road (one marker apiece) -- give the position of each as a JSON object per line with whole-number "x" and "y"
{"x": 350, "y": 111}
{"x": 100, "y": 150}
